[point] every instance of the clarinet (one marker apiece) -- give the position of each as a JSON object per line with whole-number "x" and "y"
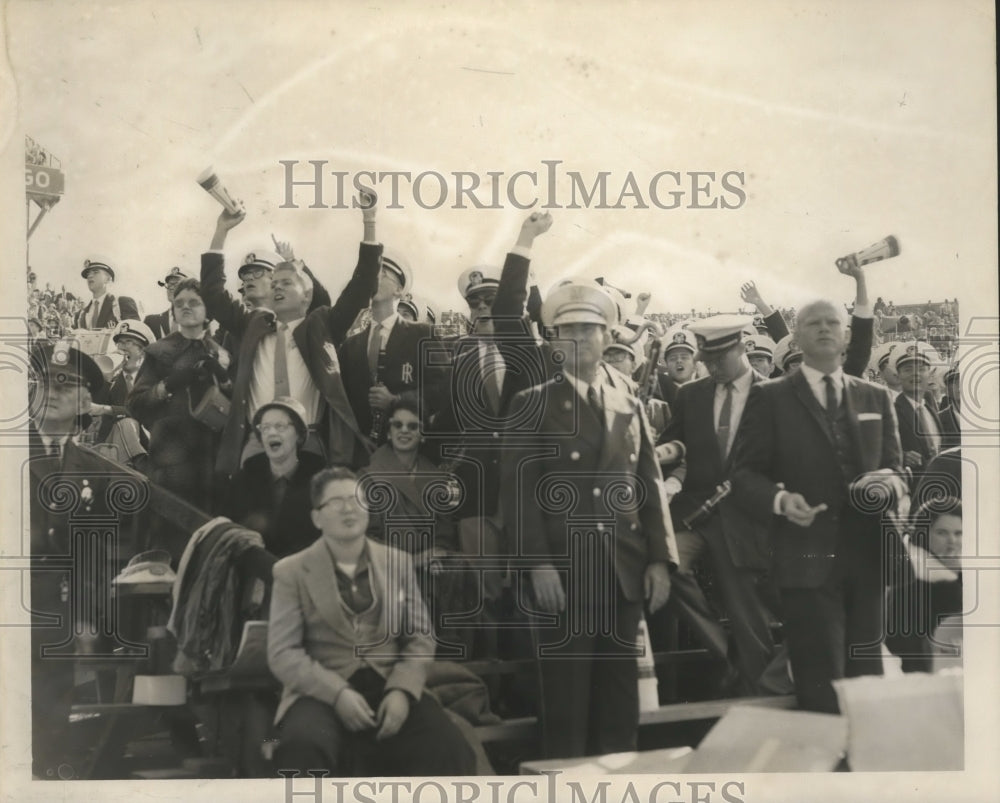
{"x": 378, "y": 419}
{"x": 649, "y": 376}
{"x": 721, "y": 492}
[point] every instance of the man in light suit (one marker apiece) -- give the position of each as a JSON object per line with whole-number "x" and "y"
{"x": 350, "y": 640}
{"x": 586, "y": 523}
{"x": 104, "y": 310}
{"x": 817, "y": 457}
{"x": 707, "y": 416}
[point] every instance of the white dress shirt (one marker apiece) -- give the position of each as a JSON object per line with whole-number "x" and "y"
{"x": 300, "y": 383}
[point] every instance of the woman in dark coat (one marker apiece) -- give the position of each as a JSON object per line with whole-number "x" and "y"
{"x": 176, "y": 372}
{"x": 270, "y": 493}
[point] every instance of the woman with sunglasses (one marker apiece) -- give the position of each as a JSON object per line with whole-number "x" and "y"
{"x": 405, "y": 491}
{"x": 176, "y": 372}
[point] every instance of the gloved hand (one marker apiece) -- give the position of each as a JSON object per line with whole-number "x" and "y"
{"x": 210, "y": 367}
{"x": 180, "y": 379}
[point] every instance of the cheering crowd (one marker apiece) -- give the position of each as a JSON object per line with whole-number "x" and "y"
{"x": 553, "y": 470}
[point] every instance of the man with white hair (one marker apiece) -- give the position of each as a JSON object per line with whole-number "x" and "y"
{"x": 586, "y": 523}
{"x": 817, "y": 458}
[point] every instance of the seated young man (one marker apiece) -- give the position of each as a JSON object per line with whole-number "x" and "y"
{"x": 350, "y": 639}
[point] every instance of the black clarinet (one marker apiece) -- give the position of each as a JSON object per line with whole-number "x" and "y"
{"x": 721, "y": 492}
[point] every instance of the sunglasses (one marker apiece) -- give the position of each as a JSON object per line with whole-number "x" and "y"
{"x": 412, "y": 426}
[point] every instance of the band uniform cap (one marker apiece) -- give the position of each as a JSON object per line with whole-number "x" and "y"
{"x": 619, "y": 299}
{"x": 719, "y": 332}
{"x": 679, "y": 337}
{"x": 290, "y": 405}
{"x": 135, "y": 330}
{"x": 268, "y": 260}
{"x": 175, "y": 273}
{"x": 579, "y": 303}
{"x": 478, "y": 279}
{"x": 914, "y": 351}
{"x": 786, "y": 350}
{"x": 147, "y": 567}
{"x": 881, "y": 354}
{"x": 96, "y": 264}
{"x": 760, "y": 346}
{"x": 64, "y": 364}
{"x": 627, "y": 348}
{"x": 399, "y": 266}
{"x": 411, "y": 305}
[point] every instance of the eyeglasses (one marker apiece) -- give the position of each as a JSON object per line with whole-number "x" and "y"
{"x": 412, "y": 426}
{"x": 481, "y": 300}
{"x": 253, "y": 273}
{"x": 342, "y": 502}
{"x": 279, "y": 427}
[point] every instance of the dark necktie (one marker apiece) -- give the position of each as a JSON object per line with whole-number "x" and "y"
{"x": 281, "y": 384}
{"x": 595, "y": 403}
{"x": 55, "y": 449}
{"x": 831, "y": 397}
{"x": 725, "y": 420}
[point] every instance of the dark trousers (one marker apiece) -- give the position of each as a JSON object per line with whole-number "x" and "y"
{"x": 749, "y": 617}
{"x": 311, "y": 737}
{"x": 835, "y": 631}
{"x": 589, "y": 673}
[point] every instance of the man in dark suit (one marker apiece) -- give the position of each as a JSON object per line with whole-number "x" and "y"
{"x": 163, "y": 324}
{"x": 489, "y": 366}
{"x": 707, "y": 416}
{"x": 288, "y": 351}
{"x": 920, "y": 429}
{"x": 384, "y": 360}
{"x": 817, "y": 458}
{"x": 350, "y": 641}
{"x": 586, "y": 521}
{"x": 104, "y": 310}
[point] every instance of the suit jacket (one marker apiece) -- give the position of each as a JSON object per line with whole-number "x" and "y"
{"x": 951, "y": 427}
{"x": 564, "y": 469}
{"x": 317, "y": 338}
{"x": 465, "y": 425}
{"x": 114, "y": 310}
{"x": 784, "y": 438}
{"x": 159, "y": 324}
{"x": 702, "y": 470}
{"x": 315, "y": 643}
{"x": 912, "y": 436}
{"x": 404, "y": 371}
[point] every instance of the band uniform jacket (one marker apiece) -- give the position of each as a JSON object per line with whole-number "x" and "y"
{"x": 114, "y": 310}
{"x": 405, "y": 370}
{"x": 563, "y": 468}
{"x": 159, "y": 324}
{"x": 912, "y": 437}
{"x": 784, "y": 438}
{"x": 465, "y": 430}
{"x": 702, "y": 470}
{"x": 315, "y": 642}
{"x": 317, "y": 338}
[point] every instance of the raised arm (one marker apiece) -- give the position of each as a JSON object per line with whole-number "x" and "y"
{"x": 363, "y": 283}
{"x": 219, "y": 303}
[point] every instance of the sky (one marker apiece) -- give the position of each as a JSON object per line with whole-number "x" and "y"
{"x": 847, "y": 122}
